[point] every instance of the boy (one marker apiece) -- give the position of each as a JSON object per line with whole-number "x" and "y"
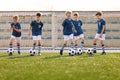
{"x": 67, "y": 31}
{"x": 79, "y": 34}
{"x": 15, "y": 29}
{"x": 100, "y": 33}
{"x": 36, "y": 27}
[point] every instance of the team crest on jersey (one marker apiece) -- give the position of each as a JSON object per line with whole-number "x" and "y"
{"x": 79, "y": 24}
{"x": 99, "y": 23}
{"x": 39, "y": 26}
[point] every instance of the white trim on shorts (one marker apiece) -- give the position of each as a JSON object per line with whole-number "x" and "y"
{"x": 79, "y": 36}
{"x": 17, "y": 39}
{"x": 68, "y": 37}
{"x": 37, "y": 37}
{"x": 98, "y": 36}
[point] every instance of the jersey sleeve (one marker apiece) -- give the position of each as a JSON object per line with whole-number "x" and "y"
{"x": 103, "y": 22}
{"x": 32, "y": 24}
{"x": 42, "y": 24}
{"x": 81, "y": 23}
{"x": 64, "y": 23}
{"x": 19, "y": 26}
{"x": 11, "y": 25}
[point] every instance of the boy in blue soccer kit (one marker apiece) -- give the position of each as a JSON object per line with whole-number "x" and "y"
{"x": 67, "y": 27}
{"x": 15, "y": 29}
{"x": 79, "y": 32}
{"x": 100, "y": 33}
{"x": 36, "y": 27}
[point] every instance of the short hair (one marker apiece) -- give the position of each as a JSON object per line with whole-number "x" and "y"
{"x": 38, "y": 14}
{"x": 68, "y": 12}
{"x": 98, "y": 13}
{"x": 76, "y": 14}
{"x": 15, "y": 17}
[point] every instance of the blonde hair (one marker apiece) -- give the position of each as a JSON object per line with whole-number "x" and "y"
{"x": 70, "y": 12}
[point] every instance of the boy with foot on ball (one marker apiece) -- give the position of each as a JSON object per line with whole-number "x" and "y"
{"x": 101, "y": 32}
{"x": 15, "y": 29}
{"x": 67, "y": 27}
{"x": 36, "y": 27}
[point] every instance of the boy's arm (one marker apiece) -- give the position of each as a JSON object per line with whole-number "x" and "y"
{"x": 18, "y": 30}
{"x": 29, "y": 30}
{"x": 103, "y": 28}
{"x": 11, "y": 29}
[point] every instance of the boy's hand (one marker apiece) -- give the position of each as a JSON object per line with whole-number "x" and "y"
{"x": 101, "y": 35}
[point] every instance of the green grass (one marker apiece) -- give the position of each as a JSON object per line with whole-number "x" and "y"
{"x": 51, "y": 66}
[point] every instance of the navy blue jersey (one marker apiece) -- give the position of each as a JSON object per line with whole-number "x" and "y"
{"x": 77, "y": 25}
{"x": 36, "y": 28}
{"x": 17, "y": 26}
{"x": 67, "y": 27}
{"x": 100, "y": 23}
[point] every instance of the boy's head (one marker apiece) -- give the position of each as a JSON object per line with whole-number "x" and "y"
{"x": 38, "y": 16}
{"x": 76, "y": 15}
{"x": 15, "y": 19}
{"x": 98, "y": 15}
{"x": 68, "y": 14}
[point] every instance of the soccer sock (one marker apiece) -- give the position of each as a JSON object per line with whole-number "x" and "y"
{"x": 94, "y": 46}
{"x": 81, "y": 45}
{"x": 18, "y": 46}
{"x": 34, "y": 46}
{"x": 103, "y": 47}
{"x": 72, "y": 45}
{"x": 10, "y": 45}
{"x": 76, "y": 46}
{"x": 63, "y": 46}
{"x": 39, "y": 48}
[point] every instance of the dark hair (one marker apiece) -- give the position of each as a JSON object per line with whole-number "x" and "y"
{"x": 75, "y": 14}
{"x": 98, "y": 13}
{"x": 38, "y": 14}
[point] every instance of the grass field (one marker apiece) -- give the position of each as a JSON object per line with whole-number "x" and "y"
{"x": 51, "y": 66}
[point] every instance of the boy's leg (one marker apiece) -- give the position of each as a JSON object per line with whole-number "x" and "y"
{"x": 11, "y": 41}
{"x": 102, "y": 44}
{"x": 18, "y": 44}
{"x": 66, "y": 38}
{"x": 34, "y": 45}
{"x": 64, "y": 45}
{"x": 94, "y": 45}
{"x": 76, "y": 44}
{"x": 82, "y": 43}
{"x": 34, "y": 42}
{"x": 10, "y": 44}
{"x": 39, "y": 47}
{"x": 71, "y": 40}
{"x": 39, "y": 44}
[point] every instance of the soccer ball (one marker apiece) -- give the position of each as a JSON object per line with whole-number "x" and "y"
{"x": 10, "y": 51}
{"x": 32, "y": 52}
{"x": 79, "y": 51}
{"x": 71, "y": 52}
{"x": 90, "y": 51}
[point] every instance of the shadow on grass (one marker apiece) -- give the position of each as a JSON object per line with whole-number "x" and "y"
{"x": 3, "y": 56}
{"x": 65, "y": 56}
{"x": 14, "y": 57}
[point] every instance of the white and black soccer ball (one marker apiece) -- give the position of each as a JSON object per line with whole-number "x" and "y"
{"x": 79, "y": 51}
{"x": 90, "y": 51}
{"x": 72, "y": 52}
{"x": 32, "y": 52}
{"x": 10, "y": 51}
